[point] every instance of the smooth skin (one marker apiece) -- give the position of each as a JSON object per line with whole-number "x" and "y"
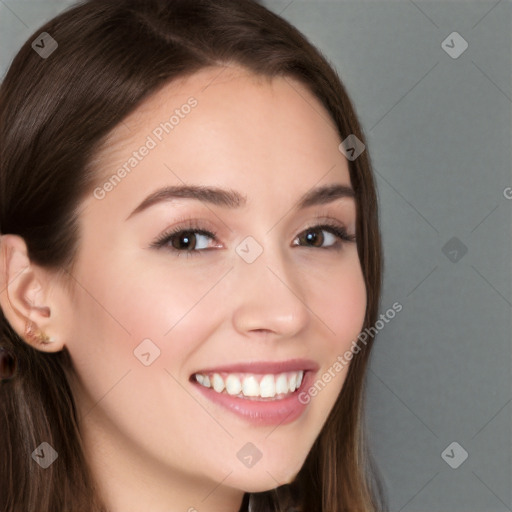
{"x": 154, "y": 442}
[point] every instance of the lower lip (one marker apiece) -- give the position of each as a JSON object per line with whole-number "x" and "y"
{"x": 262, "y": 412}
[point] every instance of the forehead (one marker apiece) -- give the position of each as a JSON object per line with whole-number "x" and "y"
{"x": 226, "y": 126}
{"x": 225, "y": 86}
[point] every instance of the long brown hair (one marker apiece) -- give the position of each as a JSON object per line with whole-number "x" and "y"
{"x": 55, "y": 112}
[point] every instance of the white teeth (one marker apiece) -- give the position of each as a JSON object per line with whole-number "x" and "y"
{"x": 266, "y": 386}
{"x": 292, "y": 382}
{"x": 218, "y": 383}
{"x": 204, "y": 380}
{"x": 300, "y": 375}
{"x": 250, "y": 386}
{"x": 282, "y": 384}
{"x": 233, "y": 385}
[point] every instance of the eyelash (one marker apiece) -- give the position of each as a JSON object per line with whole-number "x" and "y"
{"x": 192, "y": 227}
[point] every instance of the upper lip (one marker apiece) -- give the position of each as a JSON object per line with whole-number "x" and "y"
{"x": 263, "y": 367}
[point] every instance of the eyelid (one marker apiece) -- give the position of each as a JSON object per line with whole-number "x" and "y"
{"x": 326, "y": 212}
{"x": 184, "y": 224}
{"x": 329, "y": 219}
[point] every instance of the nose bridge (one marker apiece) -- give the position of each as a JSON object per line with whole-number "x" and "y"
{"x": 267, "y": 293}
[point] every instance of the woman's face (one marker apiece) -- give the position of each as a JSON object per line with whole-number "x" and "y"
{"x": 251, "y": 295}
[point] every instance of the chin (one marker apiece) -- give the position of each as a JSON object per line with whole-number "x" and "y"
{"x": 265, "y": 479}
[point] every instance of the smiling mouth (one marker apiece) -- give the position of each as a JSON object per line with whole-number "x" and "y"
{"x": 252, "y": 386}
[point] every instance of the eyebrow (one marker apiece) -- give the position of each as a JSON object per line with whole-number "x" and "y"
{"x": 233, "y": 199}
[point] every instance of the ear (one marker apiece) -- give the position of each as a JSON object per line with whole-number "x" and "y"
{"x": 25, "y": 296}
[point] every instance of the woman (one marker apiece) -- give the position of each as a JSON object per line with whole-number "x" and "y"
{"x": 189, "y": 249}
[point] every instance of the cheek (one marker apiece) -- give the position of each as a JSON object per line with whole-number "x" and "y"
{"x": 129, "y": 310}
{"x": 339, "y": 302}
{"x": 338, "y": 299}
{"x": 135, "y": 332}
{"x": 348, "y": 306}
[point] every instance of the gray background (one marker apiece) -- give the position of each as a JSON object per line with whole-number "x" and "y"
{"x": 439, "y": 135}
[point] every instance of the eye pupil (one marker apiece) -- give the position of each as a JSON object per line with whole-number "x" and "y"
{"x": 312, "y": 237}
{"x": 186, "y": 238}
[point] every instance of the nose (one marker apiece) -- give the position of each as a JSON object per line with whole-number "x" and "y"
{"x": 267, "y": 296}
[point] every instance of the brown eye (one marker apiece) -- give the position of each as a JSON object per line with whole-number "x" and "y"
{"x": 324, "y": 236}
{"x": 186, "y": 240}
{"x": 313, "y": 237}
{"x": 190, "y": 240}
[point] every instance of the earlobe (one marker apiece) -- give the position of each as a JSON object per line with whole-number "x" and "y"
{"x": 23, "y": 297}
